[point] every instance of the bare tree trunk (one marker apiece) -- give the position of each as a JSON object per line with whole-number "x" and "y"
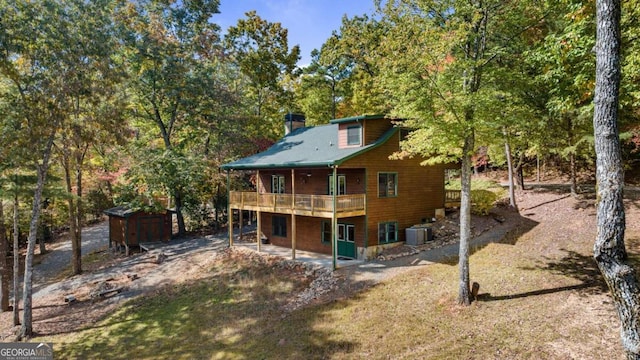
{"x": 574, "y": 182}
{"x": 519, "y": 173}
{"x": 16, "y": 260}
{"x": 4, "y": 266}
{"x": 76, "y": 235}
{"x": 26, "y": 330}
{"x": 507, "y": 152}
{"x": 537, "y": 168}
{"x": 464, "y": 297}
{"x": 41, "y": 242}
{"x": 66, "y": 165}
{"x": 177, "y": 197}
{"x": 609, "y": 248}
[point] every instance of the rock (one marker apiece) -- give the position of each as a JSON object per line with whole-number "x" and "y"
{"x": 160, "y": 258}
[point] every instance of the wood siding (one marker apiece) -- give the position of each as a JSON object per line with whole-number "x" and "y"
{"x": 309, "y": 236}
{"x": 139, "y": 228}
{"x": 342, "y": 134}
{"x": 420, "y": 189}
{"x": 314, "y": 181}
{"x": 374, "y": 129}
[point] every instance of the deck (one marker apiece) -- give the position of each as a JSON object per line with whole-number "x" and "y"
{"x": 300, "y": 204}
{"x": 451, "y": 198}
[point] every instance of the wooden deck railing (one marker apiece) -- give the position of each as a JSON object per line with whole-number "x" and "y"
{"x": 300, "y": 203}
{"x": 451, "y": 198}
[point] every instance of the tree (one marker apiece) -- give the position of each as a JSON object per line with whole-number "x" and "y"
{"x": 609, "y": 248}
{"x": 4, "y": 266}
{"x": 260, "y": 50}
{"x": 45, "y": 48}
{"x": 166, "y": 44}
{"x": 565, "y": 70}
{"x": 351, "y": 57}
{"x": 438, "y": 57}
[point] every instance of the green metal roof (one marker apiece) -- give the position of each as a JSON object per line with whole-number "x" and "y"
{"x": 305, "y": 147}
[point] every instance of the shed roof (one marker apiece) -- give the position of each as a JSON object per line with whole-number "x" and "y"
{"x": 306, "y": 147}
{"x": 120, "y": 211}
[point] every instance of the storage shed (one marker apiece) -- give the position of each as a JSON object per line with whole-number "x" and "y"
{"x": 129, "y": 227}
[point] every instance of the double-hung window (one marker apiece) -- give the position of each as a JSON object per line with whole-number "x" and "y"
{"x": 387, "y": 232}
{"x": 387, "y": 184}
{"x": 354, "y": 135}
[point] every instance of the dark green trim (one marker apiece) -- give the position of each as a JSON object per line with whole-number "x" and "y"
{"x": 357, "y": 118}
{"x": 397, "y": 232}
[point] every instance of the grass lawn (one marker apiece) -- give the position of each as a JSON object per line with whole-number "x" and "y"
{"x": 541, "y": 297}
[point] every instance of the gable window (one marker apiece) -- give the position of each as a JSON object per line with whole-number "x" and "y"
{"x": 279, "y": 224}
{"x": 387, "y": 184}
{"x": 277, "y": 184}
{"x": 387, "y": 232}
{"x": 342, "y": 184}
{"x": 354, "y": 135}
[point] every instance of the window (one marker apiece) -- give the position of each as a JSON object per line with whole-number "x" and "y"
{"x": 346, "y": 232}
{"x": 326, "y": 232}
{"x": 354, "y": 135}
{"x": 387, "y": 232}
{"x": 277, "y": 184}
{"x": 279, "y": 226}
{"x": 387, "y": 184}
{"x": 342, "y": 184}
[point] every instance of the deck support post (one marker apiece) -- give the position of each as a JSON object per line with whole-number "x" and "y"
{"x": 334, "y": 220}
{"x": 293, "y": 215}
{"x": 258, "y": 221}
{"x": 240, "y": 223}
{"x": 229, "y": 210}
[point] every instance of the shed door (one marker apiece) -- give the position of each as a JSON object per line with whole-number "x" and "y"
{"x": 150, "y": 229}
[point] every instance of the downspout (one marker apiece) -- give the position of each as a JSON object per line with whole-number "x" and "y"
{"x": 334, "y": 224}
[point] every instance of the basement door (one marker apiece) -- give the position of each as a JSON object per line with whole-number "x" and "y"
{"x": 346, "y": 240}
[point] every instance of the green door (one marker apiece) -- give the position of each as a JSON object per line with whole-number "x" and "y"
{"x": 346, "y": 240}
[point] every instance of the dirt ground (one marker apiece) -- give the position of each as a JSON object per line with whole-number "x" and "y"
{"x": 550, "y": 206}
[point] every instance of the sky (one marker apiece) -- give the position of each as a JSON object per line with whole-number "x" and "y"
{"x": 310, "y": 22}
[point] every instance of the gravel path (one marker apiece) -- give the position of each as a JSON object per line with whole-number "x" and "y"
{"x": 58, "y": 258}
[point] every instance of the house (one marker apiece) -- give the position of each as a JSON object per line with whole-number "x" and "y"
{"x": 128, "y": 227}
{"x": 332, "y": 189}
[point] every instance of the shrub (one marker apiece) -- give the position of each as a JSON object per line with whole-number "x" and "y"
{"x": 482, "y": 201}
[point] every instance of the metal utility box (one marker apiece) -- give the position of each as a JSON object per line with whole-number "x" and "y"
{"x": 414, "y": 236}
{"x": 418, "y": 234}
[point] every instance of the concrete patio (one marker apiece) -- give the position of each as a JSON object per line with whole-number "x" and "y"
{"x": 303, "y": 256}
